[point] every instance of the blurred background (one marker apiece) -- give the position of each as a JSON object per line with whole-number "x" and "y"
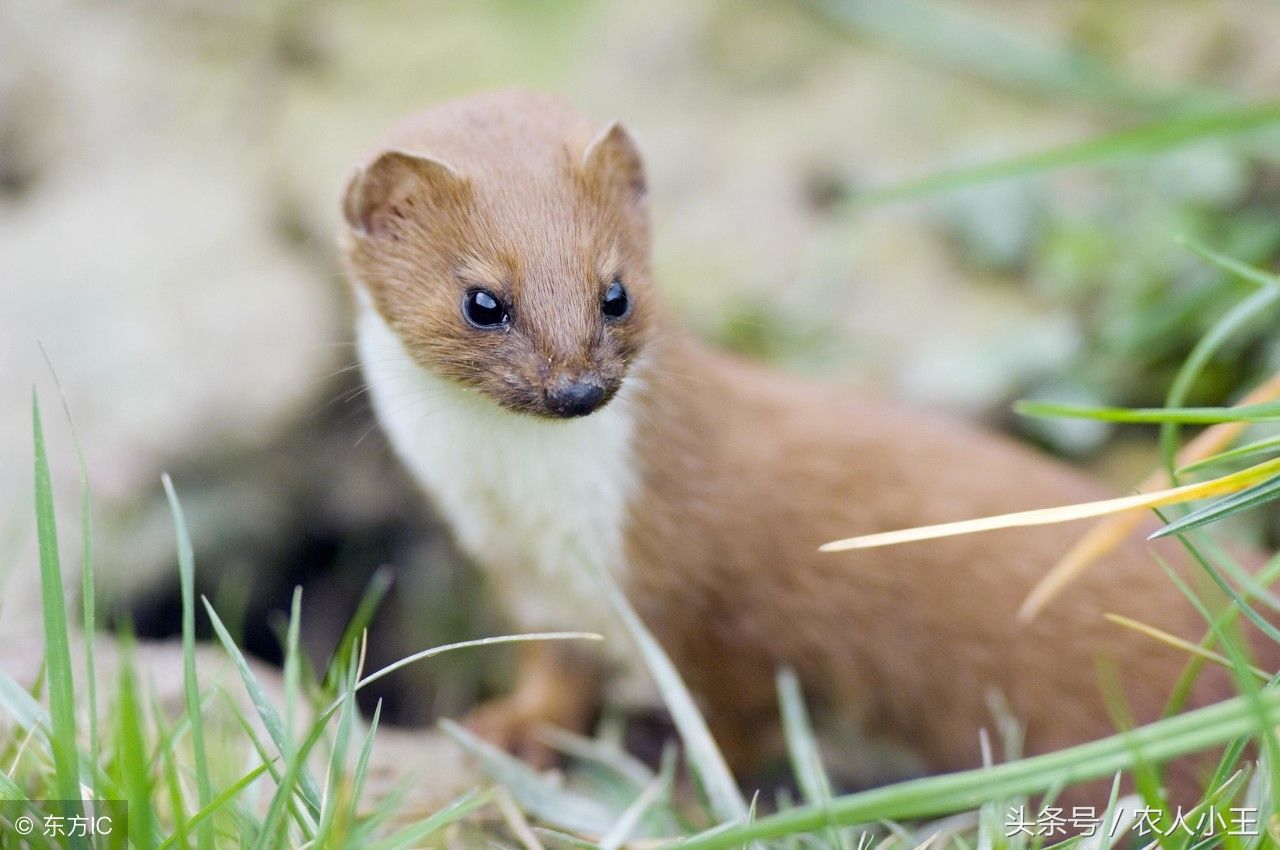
{"x": 169, "y": 177}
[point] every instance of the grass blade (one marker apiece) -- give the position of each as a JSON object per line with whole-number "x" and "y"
{"x": 1180, "y": 643}
{"x": 1222, "y": 330}
{"x": 266, "y": 711}
{"x": 87, "y": 585}
{"x": 57, "y": 648}
{"x": 1048, "y": 516}
{"x": 1266, "y": 445}
{"x": 1253, "y": 274}
{"x": 516, "y": 821}
{"x": 607, "y": 754}
{"x": 705, "y": 758}
{"x": 414, "y": 835}
{"x": 172, "y": 782}
{"x": 25, "y": 710}
{"x": 362, "y": 764}
{"x": 1111, "y": 532}
{"x": 370, "y": 601}
{"x": 564, "y": 839}
{"x": 806, "y": 758}
{"x": 336, "y": 779}
{"x": 1265, "y": 412}
{"x": 217, "y": 803}
{"x": 292, "y": 662}
{"x": 135, "y": 772}
{"x": 1255, "y": 496}
{"x": 1229, "y": 637}
{"x": 296, "y": 763}
{"x": 1247, "y": 610}
{"x": 10, "y": 790}
{"x": 191, "y": 684}
{"x": 465, "y": 644}
{"x": 289, "y": 788}
{"x": 959, "y": 40}
{"x": 921, "y": 798}
{"x": 1155, "y": 137}
{"x": 541, "y": 798}
{"x": 654, "y": 791}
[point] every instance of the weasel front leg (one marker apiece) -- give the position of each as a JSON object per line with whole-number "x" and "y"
{"x": 555, "y": 686}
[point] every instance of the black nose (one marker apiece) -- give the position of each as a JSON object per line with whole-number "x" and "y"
{"x": 577, "y": 398}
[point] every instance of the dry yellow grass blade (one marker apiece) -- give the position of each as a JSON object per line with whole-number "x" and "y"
{"x": 516, "y": 821}
{"x": 1179, "y": 643}
{"x": 1110, "y": 533}
{"x": 1048, "y": 516}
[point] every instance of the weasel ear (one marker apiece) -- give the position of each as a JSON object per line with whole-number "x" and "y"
{"x": 614, "y": 159}
{"x": 383, "y": 192}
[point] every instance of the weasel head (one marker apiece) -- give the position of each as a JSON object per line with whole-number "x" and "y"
{"x": 506, "y": 242}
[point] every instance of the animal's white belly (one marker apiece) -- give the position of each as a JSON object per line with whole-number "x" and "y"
{"x": 538, "y": 504}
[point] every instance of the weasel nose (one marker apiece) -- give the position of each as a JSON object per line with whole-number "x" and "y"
{"x": 575, "y": 398}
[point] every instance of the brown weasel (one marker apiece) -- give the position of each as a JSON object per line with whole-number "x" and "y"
{"x": 521, "y": 359}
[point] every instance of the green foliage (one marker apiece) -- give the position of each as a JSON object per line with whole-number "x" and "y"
{"x": 143, "y": 763}
{"x": 1155, "y": 137}
{"x": 1255, "y": 496}
{"x": 62, "y": 705}
{"x": 1263, "y": 412}
{"x": 947, "y": 35}
{"x": 191, "y": 684}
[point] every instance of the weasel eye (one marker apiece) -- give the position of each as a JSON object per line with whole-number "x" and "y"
{"x": 615, "y": 304}
{"x": 484, "y": 310}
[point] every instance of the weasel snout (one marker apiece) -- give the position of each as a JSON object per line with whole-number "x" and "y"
{"x": 570, "y": 397}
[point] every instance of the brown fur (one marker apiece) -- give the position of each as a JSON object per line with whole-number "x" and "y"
{"x": 745, "y": 471}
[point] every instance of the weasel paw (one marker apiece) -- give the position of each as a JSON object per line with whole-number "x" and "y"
{"x": 514, "y": 728}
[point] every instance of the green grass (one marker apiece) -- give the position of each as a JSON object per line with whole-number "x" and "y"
{"x": 62, "y": 703}
{"x": 191, "y": 684}
{"x": 1145, "y": 140}
{"x": 193, "y": 785}
{"x": 978, "y": 45}
{"x": 186, "y": 783}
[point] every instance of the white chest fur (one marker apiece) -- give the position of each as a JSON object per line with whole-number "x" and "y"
{"x": 532, "y": 501}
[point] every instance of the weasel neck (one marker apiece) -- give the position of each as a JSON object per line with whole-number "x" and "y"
{"x": 538, "y": 504}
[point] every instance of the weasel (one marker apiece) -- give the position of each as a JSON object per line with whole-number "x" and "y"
{"x": 522, "y": 361}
